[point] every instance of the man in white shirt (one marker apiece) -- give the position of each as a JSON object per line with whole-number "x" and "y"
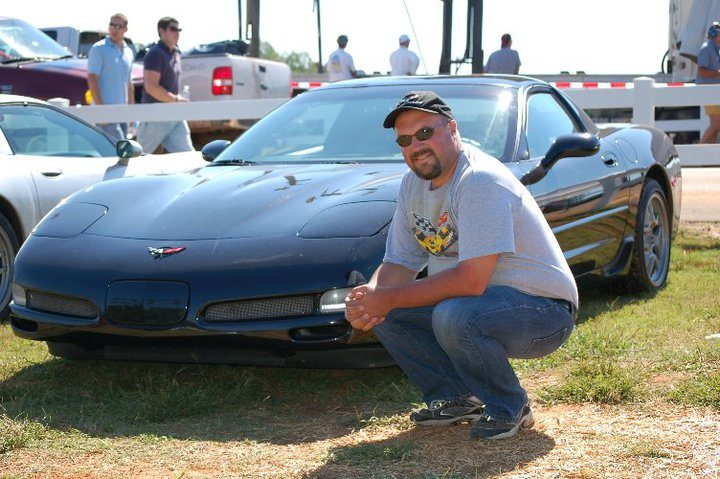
{"x": 340, "y": 64}
{"x": 403, "y": 61}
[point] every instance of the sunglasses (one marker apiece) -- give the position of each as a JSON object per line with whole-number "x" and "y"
{"x": 423, "y": 134}
{"x": 174, "y": 29}
{"x": 117, "y": 25}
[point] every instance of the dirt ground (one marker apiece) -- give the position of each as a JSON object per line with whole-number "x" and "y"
{"x": 568, "y": 441}
{"x": 701, "y": 194}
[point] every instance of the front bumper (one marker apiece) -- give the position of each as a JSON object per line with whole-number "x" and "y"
{"x": 119, "y": 296}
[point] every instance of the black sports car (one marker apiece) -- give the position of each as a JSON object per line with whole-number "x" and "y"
{"x": 248, "y": 259}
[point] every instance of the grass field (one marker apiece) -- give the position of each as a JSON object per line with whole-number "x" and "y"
{"x": 634, "y": 393}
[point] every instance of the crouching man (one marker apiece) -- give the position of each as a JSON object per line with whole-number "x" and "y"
{"x": 498, "y": 285}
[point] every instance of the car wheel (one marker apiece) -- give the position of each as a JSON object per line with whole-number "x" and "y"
{"x": 651, "y": 252}
{"x": 9, "y": 246}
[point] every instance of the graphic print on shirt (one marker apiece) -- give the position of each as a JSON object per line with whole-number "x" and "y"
{"x": 434, "y": 239}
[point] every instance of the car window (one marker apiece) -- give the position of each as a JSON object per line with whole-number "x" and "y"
{"x": 546, "y": 121}
{"x": 346, "y": 125}
{"x": 42, "y": 131}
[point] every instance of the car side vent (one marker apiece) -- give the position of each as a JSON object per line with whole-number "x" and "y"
{"x": 260, "y": 309}
{"x": 65, "y": 305}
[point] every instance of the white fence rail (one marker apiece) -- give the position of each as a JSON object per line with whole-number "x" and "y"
{"x": 643, "y": 95}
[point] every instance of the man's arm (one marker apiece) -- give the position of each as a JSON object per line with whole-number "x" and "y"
{"x": 368, "y": 305}
{"x": 151, "y": 79}
{"x": 708, "y": 73}
{"x": 131, "y": 92}
{"x": 93, "y": 82}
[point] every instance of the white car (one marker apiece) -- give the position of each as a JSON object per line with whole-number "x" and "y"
{"x": 47, "y": 154}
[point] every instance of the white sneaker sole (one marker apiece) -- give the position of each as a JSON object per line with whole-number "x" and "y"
{"x": 449, "y": 422}
{"x": 526, "y": 423}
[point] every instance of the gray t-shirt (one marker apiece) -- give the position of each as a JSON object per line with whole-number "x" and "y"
{"x": 505, "y": 60}
{"x": 483, "y": 210}
{"x": 709, "y": 58}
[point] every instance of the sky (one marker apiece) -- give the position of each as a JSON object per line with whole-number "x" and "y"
{"x": 598, "y": 37}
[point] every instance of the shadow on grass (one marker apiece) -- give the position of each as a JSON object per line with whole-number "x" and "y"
{"x": 437, "y": 452}
{"x": 281, "y": 406}
{"x": 605, "y": 299}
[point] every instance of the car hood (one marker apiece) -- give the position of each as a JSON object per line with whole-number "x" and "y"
{"x": 248, "y": 202}
{"x": 76, "y": 67}
{"x": 70, "y": 66}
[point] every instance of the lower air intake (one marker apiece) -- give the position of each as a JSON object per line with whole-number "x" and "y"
{"x": 260, "y": 309}
{"x": 65, "y": 305}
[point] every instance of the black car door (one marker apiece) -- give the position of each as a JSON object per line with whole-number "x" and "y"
{"x": 585, "y": 199}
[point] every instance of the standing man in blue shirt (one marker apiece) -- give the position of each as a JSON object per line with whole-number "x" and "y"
{"x": 708, "y": 62}
{"x": 161, "y": 84}
{"x": 109, "y": 72}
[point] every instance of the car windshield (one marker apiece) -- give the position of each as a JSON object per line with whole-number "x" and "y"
{"x": 19, "y": 39}
{"x": 345, "y": 124}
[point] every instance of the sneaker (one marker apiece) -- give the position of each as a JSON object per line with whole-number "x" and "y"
{"x": 486, "y": 427}
{"x": 442, "y": 412}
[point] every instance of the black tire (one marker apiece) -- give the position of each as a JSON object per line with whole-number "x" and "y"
{"x": 651, "y": 251}
{"x": 9, "y": 246}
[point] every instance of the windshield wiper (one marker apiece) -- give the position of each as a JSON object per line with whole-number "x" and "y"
{"x": 232, "y": 161}
{"x": 34, "y": 59}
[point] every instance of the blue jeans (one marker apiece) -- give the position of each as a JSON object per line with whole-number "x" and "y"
{"x": 462, "y": 345}
{"x": 116, "y": 130}
{"x": 174, "y": 136}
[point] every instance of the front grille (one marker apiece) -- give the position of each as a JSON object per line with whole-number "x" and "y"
{"x": 52, "y": 303}
{"x": 259, "y": 309}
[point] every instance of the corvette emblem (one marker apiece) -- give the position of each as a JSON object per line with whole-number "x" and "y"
{"x": 161, "y": 252}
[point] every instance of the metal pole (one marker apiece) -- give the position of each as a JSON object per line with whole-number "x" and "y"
{"x": 240, "y": 21}
{"x": 477, "y": 55}
{"x": 320, "y": 55}
{"x": 446, "y": 37}
{"x": 253, "y": 27}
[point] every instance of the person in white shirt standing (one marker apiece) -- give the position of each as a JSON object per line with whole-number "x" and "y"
{"x": 340, "y": 64}
{"x": 403, "y": 61}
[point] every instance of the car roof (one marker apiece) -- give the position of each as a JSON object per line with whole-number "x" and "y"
{"x": 484, "y": 79}
{"x": 8, "y": 98}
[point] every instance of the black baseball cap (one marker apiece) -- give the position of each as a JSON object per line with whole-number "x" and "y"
{"x": 426, "y": 101}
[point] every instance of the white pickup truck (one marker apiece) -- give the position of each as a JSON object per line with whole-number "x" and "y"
{"x": 213, "y": 73}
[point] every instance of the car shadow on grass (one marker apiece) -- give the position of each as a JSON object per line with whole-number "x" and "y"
{"x": 434, "y": 452}
{"x": 221, "y": 403}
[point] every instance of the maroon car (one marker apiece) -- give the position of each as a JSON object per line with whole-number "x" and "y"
{"x": 33, "y": 64}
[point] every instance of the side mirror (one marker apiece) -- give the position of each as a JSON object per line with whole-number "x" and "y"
{"x": 127, "y": 149}
{"x": 574, "y": 144}
{"x": 211, "y": 151}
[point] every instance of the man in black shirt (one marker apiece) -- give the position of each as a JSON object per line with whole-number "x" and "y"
{"x": 161, "y": 84}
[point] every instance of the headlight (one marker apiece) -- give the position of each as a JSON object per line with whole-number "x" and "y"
{"x": 18, "y": 295}
{"x": 351, "y": 220}
{"x": 333, "y": 301}
{"x": 69, "y": 219}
